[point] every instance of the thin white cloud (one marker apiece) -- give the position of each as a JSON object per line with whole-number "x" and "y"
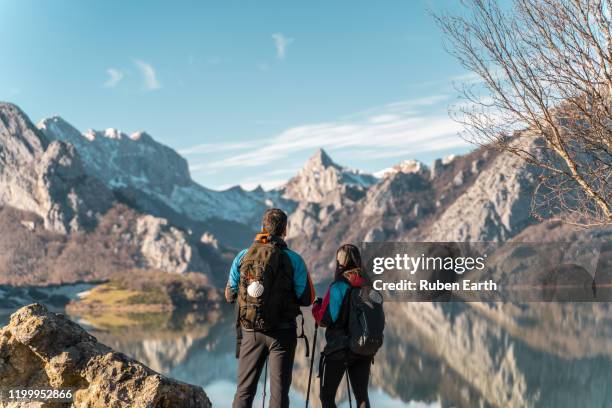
{"x": 469, "y": 77}
{"x": 406, "y": 107}
{"x": 114, "y": 77}
{"x": 384, "y": 118}
{"x": 216, "y": 148}
{"x": 281, "y": 42}
{"x": 393, "y": 130}
{"x": 148, "y": 75}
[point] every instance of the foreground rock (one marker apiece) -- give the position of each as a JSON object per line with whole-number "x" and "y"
{"x": 40, "y": 349}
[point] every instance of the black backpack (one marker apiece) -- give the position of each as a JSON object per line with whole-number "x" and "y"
{"x": 266, "y": 263}
{"x": 366, "y": 321}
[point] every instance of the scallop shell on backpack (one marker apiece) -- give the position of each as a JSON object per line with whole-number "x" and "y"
{"x": 255, "y": 289}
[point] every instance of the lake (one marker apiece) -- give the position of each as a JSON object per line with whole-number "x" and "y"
{"x": 435, "y": 355}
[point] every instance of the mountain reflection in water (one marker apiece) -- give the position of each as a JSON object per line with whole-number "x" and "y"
{"x": 435, "y": 355}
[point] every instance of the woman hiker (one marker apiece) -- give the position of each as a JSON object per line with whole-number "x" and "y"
{"x": 332, "y": 313}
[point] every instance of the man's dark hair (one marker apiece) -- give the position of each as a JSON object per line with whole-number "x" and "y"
{"x": 274, "y": 221}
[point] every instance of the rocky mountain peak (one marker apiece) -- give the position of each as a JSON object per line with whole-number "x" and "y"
{"x": 46, "y": 176}
{"x": 142, "y": 136}
{"x": 320, "y": 160}
{"x": 56, "y": 125}
{"x": 17, "y": 134}
{"x": 55, "y": 120}
{"x": 155, "y": 178}
{"x": 122, "y": 160}
{"x": 259, "y": 190}
{"x": 321, "y": 176}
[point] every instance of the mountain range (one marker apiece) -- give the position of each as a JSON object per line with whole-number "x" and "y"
{"x": 102, "y": 200}
{"x": 80, "y": 207}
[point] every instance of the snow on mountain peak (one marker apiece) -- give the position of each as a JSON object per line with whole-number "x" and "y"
{"x": 56, "y": 119}
{"x": 448, "y": 159}
{"x": 60, "y": 129}
{"x": 406, "y": 166}
{"x": 113, "y": 133}
{"x": 109, "y": 133}
{"x": 58, "y": 124}
{"x": 142, "y": 136}
{"x": 90, "y": 135}
{"x": 122, "y": 160}
{"x": 151, "y": 173}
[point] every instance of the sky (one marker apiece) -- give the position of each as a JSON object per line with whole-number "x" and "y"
{"x": 246, "y": 90}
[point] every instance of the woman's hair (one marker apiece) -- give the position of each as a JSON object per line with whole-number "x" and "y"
{"x": 347, "y": 258}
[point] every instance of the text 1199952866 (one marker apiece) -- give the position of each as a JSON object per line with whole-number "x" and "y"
{"x": 36, "y": 394}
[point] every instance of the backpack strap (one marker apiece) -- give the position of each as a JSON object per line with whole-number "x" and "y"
{"x": 349, "y": 306}
{"x": 303, "y": 336}
{"x": 238, "y": 330}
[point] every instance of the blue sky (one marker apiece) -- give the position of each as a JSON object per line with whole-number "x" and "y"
{"x": 247, "y": 90}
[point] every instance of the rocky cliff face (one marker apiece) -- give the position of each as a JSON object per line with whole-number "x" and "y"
{"x": 122, "y": 240}
{"x": 480, "y": 196}
{"x": 70, "y": 199}
{"x": 46, "y": 178}
{"x": 322, "y": 190}
{"x": 321, "y": 176}
{"x": 167, "y": 248}
{"x": 20, "y": 145}
{"x": 155, "y": 179}
{"x": 120, "y": 160}
{"x": 40, "y": 349}
{"x": 69, "y": 184}
{"x": 69, "y": 178}
{"x": 495, "y": 207}
{"x": 402, "y": 206}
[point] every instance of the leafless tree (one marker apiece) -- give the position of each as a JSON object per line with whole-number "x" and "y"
{"x": 543, "y": 71}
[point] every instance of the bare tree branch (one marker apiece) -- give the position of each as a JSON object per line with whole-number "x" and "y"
{"x": 546, "y": 73}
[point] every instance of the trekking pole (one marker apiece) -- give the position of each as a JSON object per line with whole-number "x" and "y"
{"x": 263, "y": 400}
{"x": 348, "y": 389}
{"x": 314, "y": 347}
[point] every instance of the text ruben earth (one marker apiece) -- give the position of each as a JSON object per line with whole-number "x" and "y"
{"x": 413, "y": 264}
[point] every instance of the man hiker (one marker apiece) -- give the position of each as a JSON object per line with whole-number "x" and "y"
{"x": 270, "y": 283}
